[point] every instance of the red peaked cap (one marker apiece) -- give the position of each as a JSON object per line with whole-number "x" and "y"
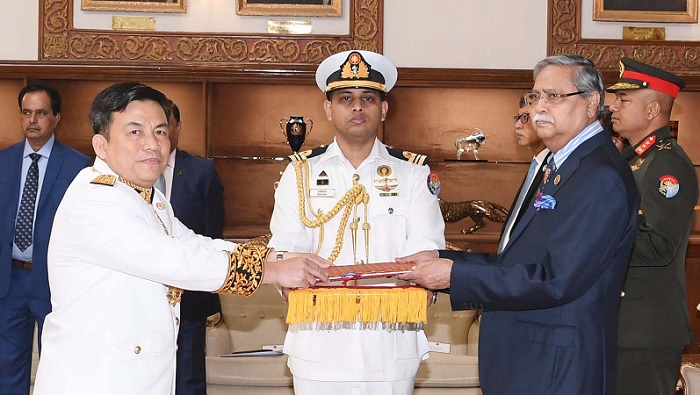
{"x": 637, "y": 75}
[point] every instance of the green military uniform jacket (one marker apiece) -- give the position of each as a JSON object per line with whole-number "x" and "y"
{"x": 654, "y": 312}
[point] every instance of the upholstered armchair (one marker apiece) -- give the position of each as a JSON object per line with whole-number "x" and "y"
{"x": 257, "y": 321}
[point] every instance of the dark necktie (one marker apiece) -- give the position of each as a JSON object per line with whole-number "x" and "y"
{"x": 25, "y": 216}
{"x": 544, "y": 201}
{"x": 551, "y": 168}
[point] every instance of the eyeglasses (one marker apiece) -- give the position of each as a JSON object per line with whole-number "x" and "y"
{"x": 534, "y": 97}
{"x": 523, "y": 118}
{"x": 39, "y": 113}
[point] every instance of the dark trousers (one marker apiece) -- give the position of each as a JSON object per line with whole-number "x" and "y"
{"x": 19, "y": 312}
{"x": 648, "y": 371}
{"x": 191, "y": 376}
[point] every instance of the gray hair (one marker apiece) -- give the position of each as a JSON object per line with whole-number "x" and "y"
{"x": 586, "y": 77}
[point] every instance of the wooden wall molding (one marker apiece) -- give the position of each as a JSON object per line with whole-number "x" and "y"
{"x": 261, "y": 73}
{"x": 564, "y": 36}
{"x": 60, "y": 41}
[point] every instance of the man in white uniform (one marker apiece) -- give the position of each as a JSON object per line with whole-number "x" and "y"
{"x": 118, "y": 260}
{"x": 394, "y": 214}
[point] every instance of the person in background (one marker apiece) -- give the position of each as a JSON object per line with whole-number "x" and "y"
{"x": 119, "y": 260}
{"x": 397, "y": 214}
{"x": 35, "y": 175}
{"x": 551, "y": 299}
{"x": 194, "y": 190}
{"x": 654, "y": 326}
{"x": 527, "y": 137}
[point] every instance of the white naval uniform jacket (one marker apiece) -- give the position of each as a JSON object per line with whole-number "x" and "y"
{"x": 405, "y": 218}
{"x": 112, "y": 330}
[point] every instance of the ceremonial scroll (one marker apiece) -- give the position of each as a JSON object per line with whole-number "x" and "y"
{"x": 371, "y": 270}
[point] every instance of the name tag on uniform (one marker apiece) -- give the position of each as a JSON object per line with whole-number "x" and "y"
{"x": 322, "y": 192}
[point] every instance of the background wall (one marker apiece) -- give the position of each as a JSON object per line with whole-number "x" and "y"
{"x": 445, "y": 33}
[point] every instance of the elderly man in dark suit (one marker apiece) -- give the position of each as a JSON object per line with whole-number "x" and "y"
{"x": 193, "y": 188}
{"x": 551, "y": 299}
{"x": 35, "y": 175}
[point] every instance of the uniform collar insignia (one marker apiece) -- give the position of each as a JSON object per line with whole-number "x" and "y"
{"x": 146, "y": 193}
{"x": 645, "y": 145}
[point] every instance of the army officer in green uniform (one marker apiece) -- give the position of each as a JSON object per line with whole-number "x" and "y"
{"x": 654, "y": 325}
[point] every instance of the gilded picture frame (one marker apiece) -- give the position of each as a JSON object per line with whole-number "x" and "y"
{"x": 309, "y": 8}
{"x": 61, "y": 41}
{"x": 662, "y": 11}
{"x": 134, "y": 5}
{"x": 564, "y": 37}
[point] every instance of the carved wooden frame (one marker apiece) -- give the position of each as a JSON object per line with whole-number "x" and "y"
{"x": 334, "y": 9}
{"x": 688, "y": 16}
{"x": 564, "y": 36}
{"x": 134, "y": 5}
{"x": 59, "y": 41}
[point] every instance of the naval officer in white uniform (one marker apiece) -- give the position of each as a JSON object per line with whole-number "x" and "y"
{"x": 398, "y": 216}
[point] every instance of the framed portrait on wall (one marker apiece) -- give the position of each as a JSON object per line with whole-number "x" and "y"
{"x": 674, "y": 11}
{"x": 134, "y": 5}
{"x": 317, "y": 8}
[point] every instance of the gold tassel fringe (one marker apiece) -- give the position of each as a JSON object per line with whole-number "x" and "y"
{"x": 364, "y": 305}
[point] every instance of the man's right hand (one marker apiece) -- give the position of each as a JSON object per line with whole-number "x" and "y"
{"x": 296, "y": 270}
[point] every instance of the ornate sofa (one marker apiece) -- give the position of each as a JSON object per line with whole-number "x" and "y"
{"x": 257, "y": 321}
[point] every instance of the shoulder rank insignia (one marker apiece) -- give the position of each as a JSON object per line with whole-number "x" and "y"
{"x": 104, "y": 179}
{"x": 408, "y": 156}
{"x": 307, "y": 154}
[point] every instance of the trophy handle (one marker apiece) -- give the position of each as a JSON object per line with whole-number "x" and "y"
{"x": 311, "y": 125}
{"x": 283, "y": 126}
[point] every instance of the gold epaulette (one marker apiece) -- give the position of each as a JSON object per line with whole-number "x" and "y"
{"x": 104, "y": 179}
{"x": 307, "y": 154}
{"x": 408, "y": 156}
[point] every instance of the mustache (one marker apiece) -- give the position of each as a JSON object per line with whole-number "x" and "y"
{"x": 543, "y": 118}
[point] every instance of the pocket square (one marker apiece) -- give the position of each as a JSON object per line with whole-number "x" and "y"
{"x": 545, "y": 202}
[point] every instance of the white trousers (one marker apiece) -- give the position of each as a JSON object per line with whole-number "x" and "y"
{"x": 313, "y": 387}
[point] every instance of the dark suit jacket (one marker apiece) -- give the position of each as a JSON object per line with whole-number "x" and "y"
{"x": 197, "y": 199}
{"x": 551, "y": 299}
{"x": 64, "y": 164}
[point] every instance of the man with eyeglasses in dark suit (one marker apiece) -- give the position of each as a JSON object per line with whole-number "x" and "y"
{"x": 551, "y": 298}
{"x": 27, "y": 209}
